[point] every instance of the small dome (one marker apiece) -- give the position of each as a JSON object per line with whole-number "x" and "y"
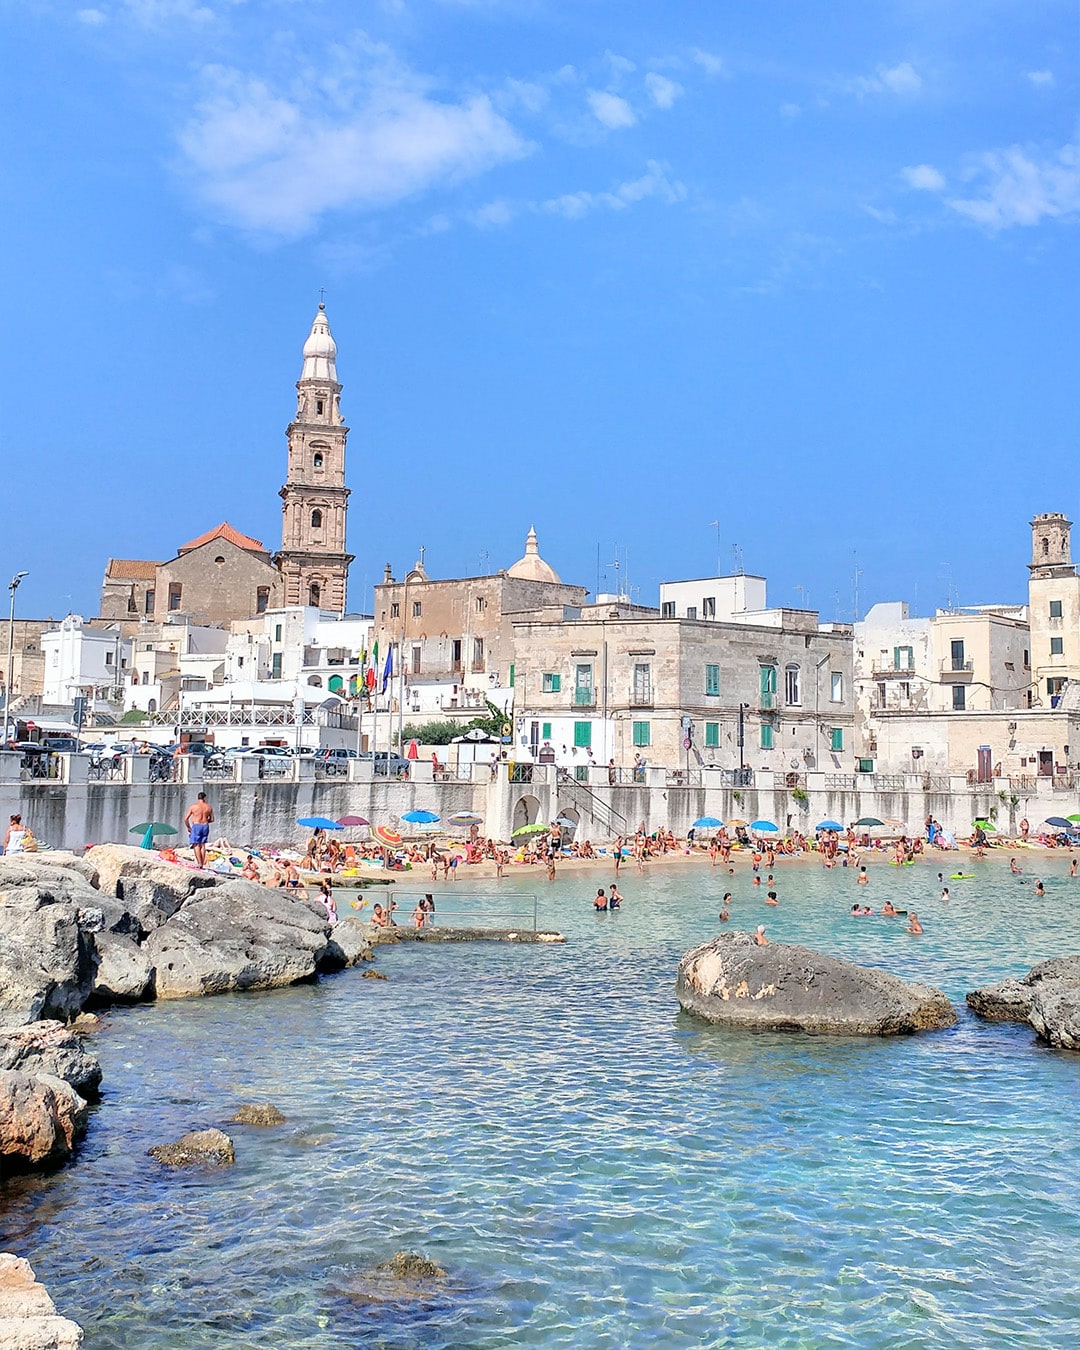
{"x": 320, "y": 350}
{"x": 532, "y": 567}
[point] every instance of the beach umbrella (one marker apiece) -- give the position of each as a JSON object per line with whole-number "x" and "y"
{"x": 986, "y": 825}
{"x": 706, "y": 823}
{"x": 534, "y": 828}
{"x": 347, "y": 822}
{"x": 465, "y": 818}
{"x": 151, "y": 827}
{"x": 1074, "y": 819}
{"x": 735, "y": 825}
{"x": 385, "y": 835}
{"x": 566, "y": 822}
{"x": 868, "y": 822}
{"x": 828, "y": 825}
{"x": 1058, "y": 821}
{"x": 420, "y": 817}
{"x": 318, "y": 823}
{"x": 764, "y": 827}
{"x": 413, "y": 751}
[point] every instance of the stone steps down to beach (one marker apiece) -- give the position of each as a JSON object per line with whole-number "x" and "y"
{"x": 388, "y": 936}
{"x": 733, "y": 982}
{"x": 28, "y": 1316}
{"x": 1047, "y": 998}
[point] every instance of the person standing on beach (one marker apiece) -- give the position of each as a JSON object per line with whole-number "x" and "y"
{"x": 197, "y": 822}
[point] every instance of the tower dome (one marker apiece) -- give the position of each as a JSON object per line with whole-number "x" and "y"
{"x": 532, "y": 567}
{"x": 320, "y": 350}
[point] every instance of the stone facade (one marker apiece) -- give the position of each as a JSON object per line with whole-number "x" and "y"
{"x": 28, "y": 658}
{"x": 1053, "y": 608}
{"x": 313, "y": 561}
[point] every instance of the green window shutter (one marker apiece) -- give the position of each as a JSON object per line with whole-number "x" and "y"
{"x": 556, "y": 684}
{"x": 766, "y": 736}
{"x": 641, "y": 733}
{"x": 712, "y": 679}
{"x": 836, "y": 739}
{"x": 335, "y": 684}
{"x": 712, "y": 735}
{"x": 583, "y": 734}
{"x": 512, "y": 673}
{"x": 545, "y": 731}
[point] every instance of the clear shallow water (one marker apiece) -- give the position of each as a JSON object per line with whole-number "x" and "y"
{"x": 593, "y": 1167}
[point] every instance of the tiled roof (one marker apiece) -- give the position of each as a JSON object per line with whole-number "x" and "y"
{"x": 224, "y": 531}
{"x": 131, "y": 569}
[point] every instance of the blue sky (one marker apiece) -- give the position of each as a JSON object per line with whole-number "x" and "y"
{"x": 617, "y": 269}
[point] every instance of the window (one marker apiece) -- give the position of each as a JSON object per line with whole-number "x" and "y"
{"x": 766, "y": 736}
{"x": 956, "y": 653}
{"x": 712, "y": 680}
{"x": 455, "y": 649}
{"x": 881, "y": 694}
{"x": 708, "y": 607}
{"x": 478, "y": 654}
{"x": 416, "y": 660}
{"x": 1057, "y": 646}
{"x": 417, "y": 609}
{"x": 146, "y": 677}
{"x": 319, "y": 405}
{"x": 1055, "y": 685}
{"x": 959, "y": 697}
{"x": 314, "y": 593}
{"x": 176, "y": 592}
{"x": 1045, "y": 546}
{"x": 335, "y": 684}
{"x": 791, "y": 685}
{"x": 767, "y": 686}
{"x": 316, "y": 519}
{"x": 712, "y": 735}
{"x": 1027, "y": 659}
{"x": 836, "y": 686}
{"x": 133, "y": 608}
{"x": 395, "y": 610}
{"x": 836, "y": 738}
{"x": 583, "y": 686}
{"x": 262, "y": 599}
{"x": 583, "y": 734}
{"x": 317, "y": 460}
{"x": 148, "y": 606}
{"x": 277, "y": 632}
{"x": 905, "y": 691}
{"x": 513, "y": 672}
{"x": 545, "y": 731}
{"x": 667, "y": 609}
{"x": 1055, "y": 609}
{"x": 275, "y": 667}
{"x": 481, "y": 604}
{"x": 108, "y": 658}
{"x": 642, "y": 685}
{"x": 691, "y": 611}
{"x": 552, "y": 684}
{"x": 903, "y": 658}
{"x": 641, "y": 733}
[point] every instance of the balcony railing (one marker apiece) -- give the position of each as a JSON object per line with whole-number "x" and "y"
{"x": 952, "y": 665}
{"x": 641, "y": 698}
{"x": 768, "y": 700}
{"x": 584, "y": 698}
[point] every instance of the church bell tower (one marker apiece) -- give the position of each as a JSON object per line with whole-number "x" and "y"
{"x": 313, "y": 563}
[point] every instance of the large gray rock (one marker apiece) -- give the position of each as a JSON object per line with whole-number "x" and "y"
{"x": 1047, "y": 998}
{"x": 40, "y": 1119}
{"x": 124, "y": 973}
{"x": 348, "y": 945}
{"x": 734, "y": 982}
{"x": 150, "y": 888}
{"x": 47, "y": 958}
{"x": 51, "y": 1048}
{"x": 240, "y": 935}
{"x": 28, "y": 1316}
{"x": 51, "y": 878}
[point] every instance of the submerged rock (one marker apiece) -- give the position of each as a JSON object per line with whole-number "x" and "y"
{"x": 239, "y": 935}
{"x": 257, "y": 1114}
{"x": 198, "y": 1148}
{"x": 734, "y": 982}
{"x": 1047, "y": 998}
{"x": 40, "y": 1119}
{"x": 411, "y": 1266}
{"x": 28, "y": 1316}
{"x": 407, "y": 1277}
{"x": 374, "y": 975}
{"x": 54, "y": 1049}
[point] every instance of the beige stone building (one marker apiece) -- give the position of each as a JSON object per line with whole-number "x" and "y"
{"x": 1053, "y": 608}
{"x": 28, "y": 659}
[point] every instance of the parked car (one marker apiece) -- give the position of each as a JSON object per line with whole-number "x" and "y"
{"x": 61, "y": 745}
{"x": 101, "y": 752}
{"x": 387, "y": 765}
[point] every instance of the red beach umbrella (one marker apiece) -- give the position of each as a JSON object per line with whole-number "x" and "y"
{"x": 413, "y": 751}
{"x": 385, "y": 835}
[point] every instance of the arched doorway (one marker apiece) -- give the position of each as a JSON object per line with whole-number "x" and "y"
{"x": 526, "y": 811}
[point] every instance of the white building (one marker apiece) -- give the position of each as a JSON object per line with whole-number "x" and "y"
{"x": 83, "y": 660}
{"x": 168, "y": 658}
{"x": 725, "y": 599}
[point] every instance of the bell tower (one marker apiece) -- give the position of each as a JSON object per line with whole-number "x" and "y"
{"x": 313, "y": 563}
{"x": 1050, "y": 551}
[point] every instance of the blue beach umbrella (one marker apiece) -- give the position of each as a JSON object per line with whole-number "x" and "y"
{"x": 828, "y": 825}
{"x": 420, "y": 817}
{"x": 706, "y": 823}
{"x": 764, "y": 827}
{"x": 318, "y": 823}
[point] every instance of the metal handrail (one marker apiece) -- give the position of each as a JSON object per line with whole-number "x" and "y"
{"x": 454, "y": 905}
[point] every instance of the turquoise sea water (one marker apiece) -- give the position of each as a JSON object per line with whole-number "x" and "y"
{"x": 593, "y": 1167}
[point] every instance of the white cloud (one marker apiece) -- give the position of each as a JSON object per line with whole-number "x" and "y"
{"x": 155, "y": 12}
{"x": 620, "y": 65}
{"x": 1017, "y": 189}
{"x": 923, "y": 177}
{"x": 790, "y": 110}
{"x": 661, "y": 90}
{"x": 494, "y": 215}
{"x": 364, "y": 137}
{"x": 654, "y": 183}
{"x": 610, "y": 110}
{"x": 91, "y": 17}
{"x": 1041, "y": 79}
{"x": 901, "y": 79}
{"x": 710, "y": 64}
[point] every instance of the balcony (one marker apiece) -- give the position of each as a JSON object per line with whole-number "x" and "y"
{"x": 642, "y": 698}
{"x": 768, "y": 701}
{"x": 892, "y": 671}
{"x": 950, "y": 666}
{"x": 584, "y": 698}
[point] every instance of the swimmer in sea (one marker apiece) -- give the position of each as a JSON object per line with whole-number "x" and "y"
{"x": 1072, "y": 868}
{"x": 771, "y": 899}
{"x": 945, "y": 894}
{"x": 914, "y": 927}
{"x": 889, "y": 909}
{"x": 862, "y": 878}
{"x": 1016, "y": 871}
{"x": 759, "y": 936}
{"x": 1040, "y": 889}
{"x": 757, "y": 881}
{"x": 601, "y": 899}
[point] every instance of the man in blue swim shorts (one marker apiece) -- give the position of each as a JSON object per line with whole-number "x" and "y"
{"x": 199, "y": 818}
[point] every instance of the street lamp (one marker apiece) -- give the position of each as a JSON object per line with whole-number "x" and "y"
{"x": 12, "y": 587}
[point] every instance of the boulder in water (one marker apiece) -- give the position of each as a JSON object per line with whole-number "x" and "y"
{"x": 40, "y": 1119}
{"x": 257, "y": 1114}
{"x": 1047, "y": 998}
{"x": 734, "y": 982}
{"x": 28, "y": 1316}
{"x": 54, "y": 1049}
{"x": 198, "y": 1148}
